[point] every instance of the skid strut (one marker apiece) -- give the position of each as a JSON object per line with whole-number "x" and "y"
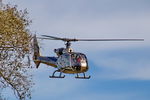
{"x": 82, "y": 77}
{"x": 60, "y": 75}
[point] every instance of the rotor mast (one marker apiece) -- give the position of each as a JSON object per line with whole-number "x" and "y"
{"x": 68, "y": 44}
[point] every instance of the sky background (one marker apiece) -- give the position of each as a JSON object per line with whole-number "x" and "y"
{"x": 119, "y": 70}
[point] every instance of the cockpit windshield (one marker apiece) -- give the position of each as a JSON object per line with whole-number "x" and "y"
{"x": 72, "y": 59}
{"x": 78, "y": 58}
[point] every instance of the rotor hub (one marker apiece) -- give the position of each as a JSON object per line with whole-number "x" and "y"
{"x": 68, "y": 44}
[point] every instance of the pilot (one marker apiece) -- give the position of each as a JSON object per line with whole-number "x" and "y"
{"x": 79, "y": 59}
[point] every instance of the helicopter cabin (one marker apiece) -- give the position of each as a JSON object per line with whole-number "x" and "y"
{"x": 72, "y": 62}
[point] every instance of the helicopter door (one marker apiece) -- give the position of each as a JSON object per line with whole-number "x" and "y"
{"x": 64, "y": 61}
{"x": 78, "y": 60}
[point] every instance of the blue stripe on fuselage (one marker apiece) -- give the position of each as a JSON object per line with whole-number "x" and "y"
{"x": 48, "y": 59}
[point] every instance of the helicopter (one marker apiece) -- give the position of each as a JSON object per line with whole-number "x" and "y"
{"x": 67, "y": 61}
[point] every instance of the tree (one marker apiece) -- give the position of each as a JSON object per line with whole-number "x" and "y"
{"x": 15, "y": 50}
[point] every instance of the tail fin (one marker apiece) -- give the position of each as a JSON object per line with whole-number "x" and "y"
{"x": 36, "y": 52}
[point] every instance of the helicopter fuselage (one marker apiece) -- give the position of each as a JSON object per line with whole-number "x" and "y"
{"x": 68, "y": 62}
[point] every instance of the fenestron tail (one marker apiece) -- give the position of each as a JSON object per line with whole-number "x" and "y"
{"x": 36, "y": 52}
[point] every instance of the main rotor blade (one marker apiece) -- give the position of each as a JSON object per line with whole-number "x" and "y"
{"x": 45, "y": 38}
{"x": 52, "y": 37}
{"x": 57, "y": 38}
{"x": 110, "y": 39}
{"x": 69, "y": 39}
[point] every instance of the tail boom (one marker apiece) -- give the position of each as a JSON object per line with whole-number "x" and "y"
{"x": 51, "y": 61}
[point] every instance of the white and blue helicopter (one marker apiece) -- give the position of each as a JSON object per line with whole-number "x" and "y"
{"x": 67, "y": 61}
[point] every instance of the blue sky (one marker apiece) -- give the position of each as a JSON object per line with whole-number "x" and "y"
{"x": 119, "y": 70}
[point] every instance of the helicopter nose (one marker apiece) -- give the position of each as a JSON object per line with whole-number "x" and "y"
{"x": 84, "y": 68}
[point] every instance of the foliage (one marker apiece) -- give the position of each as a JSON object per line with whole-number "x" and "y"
{"x": 15, "y": 49}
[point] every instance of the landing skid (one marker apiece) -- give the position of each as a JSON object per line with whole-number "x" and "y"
{"x": 60, "y": 75}
{"x": 83, "y": 77}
